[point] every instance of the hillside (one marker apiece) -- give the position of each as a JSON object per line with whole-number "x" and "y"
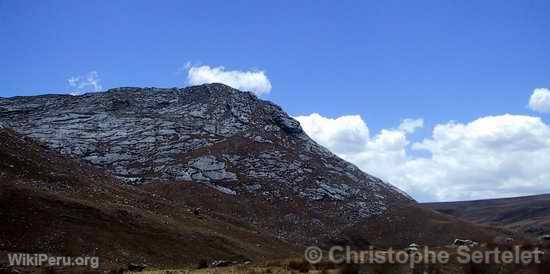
{"x": 51, "y": 204}
{"x": 529, "y": 214}
{"x": 162, "y": 153}
{"x": 248, "y": 150}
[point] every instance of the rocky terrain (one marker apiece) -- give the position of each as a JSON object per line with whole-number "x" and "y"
{"x": 203, "y": 168}
{"x": 529, "y": 214}
{"x": 212, "y": 135}
{"x": 54, "y": 205}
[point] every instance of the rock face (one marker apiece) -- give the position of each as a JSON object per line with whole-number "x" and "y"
{"x": 64, "y": 206}
{"x": 211, "y": 135}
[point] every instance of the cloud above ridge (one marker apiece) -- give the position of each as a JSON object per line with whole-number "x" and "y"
{"x": 255, "y": 81}
{"x": 493, "y": 156}
{"x": 89, "y": 82}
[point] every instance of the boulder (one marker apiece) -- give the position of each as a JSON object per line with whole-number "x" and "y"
{"x": 222, "y": 263}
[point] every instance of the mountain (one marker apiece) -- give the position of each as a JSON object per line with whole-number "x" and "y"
{"x": 230, "y": 155}
{"x": 51, "y": 204}
{"x": 529, "y": 214}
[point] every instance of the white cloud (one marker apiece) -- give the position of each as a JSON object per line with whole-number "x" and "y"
{"x": 343, "y": 135}
{"x": 540, "y": 100}
{"x": 494, "y": 156}
{"x": 410, "y": 125}
{"x": 254, "y": 81}
{"x": 89, "y": 82}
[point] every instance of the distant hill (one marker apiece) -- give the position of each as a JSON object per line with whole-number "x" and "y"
{"x": 529, "y": 214}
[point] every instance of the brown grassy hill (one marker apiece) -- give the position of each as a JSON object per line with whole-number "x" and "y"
{"x": 529, "y": 214}
{"x": 253, "y": 172}
{"x": 219, "y": 138}
{"x": 398, "y": 228}
{"x": 51, "y": 204}
{"x": 61, "y": 206}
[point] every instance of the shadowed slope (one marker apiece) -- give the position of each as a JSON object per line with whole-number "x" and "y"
{"x": 51, "y": 204}
{"x": 529, "y": 214}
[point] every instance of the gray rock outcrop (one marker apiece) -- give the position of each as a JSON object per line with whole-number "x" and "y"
{"x": 210, "y": 134}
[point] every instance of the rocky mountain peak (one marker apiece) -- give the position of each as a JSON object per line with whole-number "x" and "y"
{"x": 212, "y": 135}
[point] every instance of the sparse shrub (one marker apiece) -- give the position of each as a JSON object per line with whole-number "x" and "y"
{"x": 202, "y": 264}
{"x": 300, "y": 265}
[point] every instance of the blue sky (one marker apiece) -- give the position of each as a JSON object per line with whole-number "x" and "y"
{"x": 440, "y": 60}
{"x": 382, "y": 60}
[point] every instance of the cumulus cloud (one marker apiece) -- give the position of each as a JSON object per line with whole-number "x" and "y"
{"x": 255, "y": 81}
{"x": 89, "y": 82}
{"x": 540, "y": 100}
{"x": 494, "y": 156}
{"x": 343, "y": 135}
